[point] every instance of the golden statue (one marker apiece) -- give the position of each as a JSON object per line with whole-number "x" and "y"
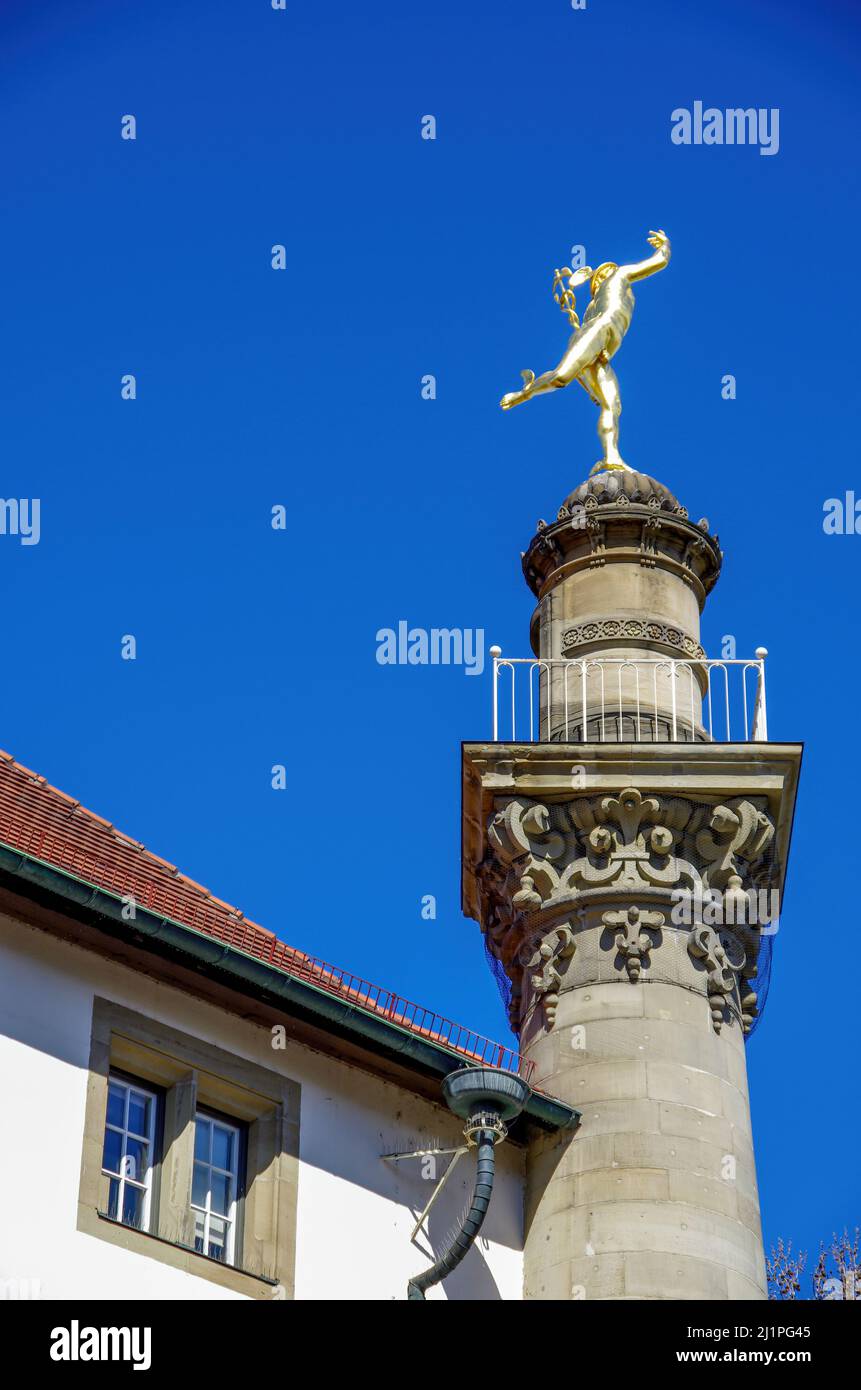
{"x": 592, "y": 344}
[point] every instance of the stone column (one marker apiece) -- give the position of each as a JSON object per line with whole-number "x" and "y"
{"x": 594, "y": 869}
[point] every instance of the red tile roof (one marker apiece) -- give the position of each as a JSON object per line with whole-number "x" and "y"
{"x": 39, "y": 820}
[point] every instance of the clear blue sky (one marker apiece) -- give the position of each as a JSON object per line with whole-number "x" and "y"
{"x": 256, "y": 387}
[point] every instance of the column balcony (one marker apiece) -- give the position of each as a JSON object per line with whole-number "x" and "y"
{"x": 595, "y": 699}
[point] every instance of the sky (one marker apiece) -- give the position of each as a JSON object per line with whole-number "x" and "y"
{"x": 301, "y": 388}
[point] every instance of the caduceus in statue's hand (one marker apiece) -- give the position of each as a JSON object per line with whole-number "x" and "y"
{"x": 596, "y": 340}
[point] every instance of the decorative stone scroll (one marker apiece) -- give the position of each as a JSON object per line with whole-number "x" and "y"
{"x": 546, "y": 959}
{"x": 723, "y": 961}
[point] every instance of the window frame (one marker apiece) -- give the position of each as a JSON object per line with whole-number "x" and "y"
{"x": 149, "y": 1186}
{"x": 235, "y": 1220}
{"x": 191, "y": 1072}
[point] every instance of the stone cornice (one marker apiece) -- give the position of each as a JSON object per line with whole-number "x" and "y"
{"x": 597, "y": 534}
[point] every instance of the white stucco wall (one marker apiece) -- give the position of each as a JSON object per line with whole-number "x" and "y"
{"x": 355, "y": 1211}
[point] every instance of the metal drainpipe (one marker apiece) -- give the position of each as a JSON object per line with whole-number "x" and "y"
{"x": 485, "y": 1140}
{"x": 487, "y": 1096}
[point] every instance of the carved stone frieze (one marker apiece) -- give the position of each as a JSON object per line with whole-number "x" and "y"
{"x": 634, "y": 629}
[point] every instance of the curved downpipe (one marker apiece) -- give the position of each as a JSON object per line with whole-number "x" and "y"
{"x": 486, "y": 1097}
{"x": 472, "y": 1222}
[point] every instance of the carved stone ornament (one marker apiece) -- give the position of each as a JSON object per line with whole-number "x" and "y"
{"x": 724, "y": 960}
{"x": 648, "y": 537}
{"x": 546, "y": 960}
{"x": 635, "y": 940}
{"x": 547, "y": 865}
{"x": 596, "y": 535}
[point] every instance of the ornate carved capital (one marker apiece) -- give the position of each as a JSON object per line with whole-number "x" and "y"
{"x": 555, "y": 869}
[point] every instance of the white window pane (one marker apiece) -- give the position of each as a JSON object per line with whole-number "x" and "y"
{"x": 133, "y": 1205}
{"x": 220, "y": 1186}
{"x": 112, "y": 1151}
{"x": 136, "y": 1160}
{"x": 200, "y": 1185}
{"x": 116, "y": 1104}
{"x": 217, "y": 1238}
{"x": 139, "y": 1117}
{"x": 127, "y": 1152}
{"x": 222, "y": 1147}
{"x": 201, "y": 1139}
{"x": 199, "y": 1231}
{"x": 214, "y": 1182}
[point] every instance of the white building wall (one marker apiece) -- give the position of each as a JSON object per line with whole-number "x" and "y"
{"x": 355, "y": 1212}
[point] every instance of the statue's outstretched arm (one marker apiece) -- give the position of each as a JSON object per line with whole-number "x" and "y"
{"x": 640, "y": 269}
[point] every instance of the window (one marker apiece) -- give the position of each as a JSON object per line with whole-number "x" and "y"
{"x": 190, "y": 1154}
{"x": 127, "y": 1154}
{"x": 215, "y": 1186}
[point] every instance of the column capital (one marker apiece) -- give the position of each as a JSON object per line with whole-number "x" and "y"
{"x": 614, "y": 870}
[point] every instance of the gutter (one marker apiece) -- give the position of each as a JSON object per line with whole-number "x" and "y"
{"x": 245, "y": 971}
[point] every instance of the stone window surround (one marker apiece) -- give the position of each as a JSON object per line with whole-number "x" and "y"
{"x": 192, "y": 1073}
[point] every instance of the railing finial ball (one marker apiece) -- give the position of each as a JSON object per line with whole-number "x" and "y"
{"x": 496, "y": 651}
{"x": 761, "y": 652}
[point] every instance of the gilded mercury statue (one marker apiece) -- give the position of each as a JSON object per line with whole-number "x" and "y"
{"x": 596, "y": 340}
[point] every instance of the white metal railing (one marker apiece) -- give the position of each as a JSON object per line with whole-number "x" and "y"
{"x": 653, "y": 699}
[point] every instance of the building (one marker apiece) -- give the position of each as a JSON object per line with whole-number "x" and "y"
{"x": 197, "y": 1110}
{"x": 144, "y": 1020}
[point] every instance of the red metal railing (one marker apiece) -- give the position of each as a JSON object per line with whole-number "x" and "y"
{"x": 403, "y": 1012}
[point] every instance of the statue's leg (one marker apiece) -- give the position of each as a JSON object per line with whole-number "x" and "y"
{"x": 584, "y": 351}
{"x": 584, "y": 348}
{"x": 605, "y": 386}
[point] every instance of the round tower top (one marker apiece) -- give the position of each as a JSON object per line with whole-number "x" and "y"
{"x": 622, "y": 516}
{"x": 636, "y": 487}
